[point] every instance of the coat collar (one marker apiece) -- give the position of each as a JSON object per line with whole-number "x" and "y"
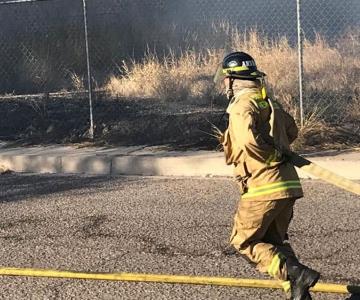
{"x": 238, "y": 95}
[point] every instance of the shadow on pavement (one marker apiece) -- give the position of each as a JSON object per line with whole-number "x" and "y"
{"x": 16, "y": 187}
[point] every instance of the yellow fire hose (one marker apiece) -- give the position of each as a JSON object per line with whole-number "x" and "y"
{"x": 174, "y": 279}
{"x": 324, "y": 174}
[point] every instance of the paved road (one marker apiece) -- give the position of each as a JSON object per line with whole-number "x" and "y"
{"x": 156, "y": 225}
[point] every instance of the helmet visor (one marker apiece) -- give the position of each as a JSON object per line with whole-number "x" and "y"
{"x": 219, "y": 77}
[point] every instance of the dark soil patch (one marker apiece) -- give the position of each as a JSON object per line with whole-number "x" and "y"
{"x": 45, "y": 119}
{"x": 64, "y": 119}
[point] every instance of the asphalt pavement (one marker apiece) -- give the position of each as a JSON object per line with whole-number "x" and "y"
{"x": 157, "y": 225}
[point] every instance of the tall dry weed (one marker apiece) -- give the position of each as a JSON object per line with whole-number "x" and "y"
{"x": 172, "y": 78}
{"x": 332, "y": 74}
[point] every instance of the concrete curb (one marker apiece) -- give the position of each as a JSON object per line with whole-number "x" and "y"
{"x": 191, "y": 163}
{"x": 195, "y": 165}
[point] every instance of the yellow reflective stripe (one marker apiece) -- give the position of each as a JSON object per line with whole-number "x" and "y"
{"x": 235, "y": 69}
{"x": 274, "y": 267}
{"x": 273, "y": 185}
{"x": 263, "y": 93}
{"x": 272, "y": 188}
{"x": 286, "y": 286}
{"x": 284, "y": 188}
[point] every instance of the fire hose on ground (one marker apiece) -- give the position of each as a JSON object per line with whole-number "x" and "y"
{"x": 174, "y": 279}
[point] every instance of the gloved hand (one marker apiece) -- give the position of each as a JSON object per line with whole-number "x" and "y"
{"x": 287, "y": 154}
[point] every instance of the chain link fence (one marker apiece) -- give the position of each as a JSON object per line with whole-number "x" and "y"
{"x": 332, "y": 68}
{"x": 151, "y": 62}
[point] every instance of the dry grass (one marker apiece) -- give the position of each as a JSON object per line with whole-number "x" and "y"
{"x": 332, "y": 73}
{"x": 169, "y": 79}
{"x": 77, "y": 81}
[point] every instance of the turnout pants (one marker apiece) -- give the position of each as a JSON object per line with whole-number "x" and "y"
{"x": 259, "y": 233}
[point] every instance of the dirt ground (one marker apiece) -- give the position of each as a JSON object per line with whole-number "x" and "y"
{"x": 64, "y": 119}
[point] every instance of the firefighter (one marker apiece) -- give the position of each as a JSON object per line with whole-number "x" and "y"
{"x": 256, "y": 141}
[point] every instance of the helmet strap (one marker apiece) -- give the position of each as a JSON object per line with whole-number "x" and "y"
{"x": 230, "y": 91}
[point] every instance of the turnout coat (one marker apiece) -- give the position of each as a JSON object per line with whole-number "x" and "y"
{"x": 256, "y": 141}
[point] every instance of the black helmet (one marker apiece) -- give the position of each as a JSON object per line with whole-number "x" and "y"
{"x": 240, "y": 65}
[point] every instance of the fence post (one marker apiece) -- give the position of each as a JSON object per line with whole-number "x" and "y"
{"x": 301, "y": 60}
{"x": 91, "y": 129}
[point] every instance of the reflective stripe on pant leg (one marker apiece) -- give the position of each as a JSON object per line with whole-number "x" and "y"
{"x": 274, "y": 268}
{"x": 286, "y": 286}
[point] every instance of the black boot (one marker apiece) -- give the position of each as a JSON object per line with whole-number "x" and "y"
{"x": 301, "y": 279}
